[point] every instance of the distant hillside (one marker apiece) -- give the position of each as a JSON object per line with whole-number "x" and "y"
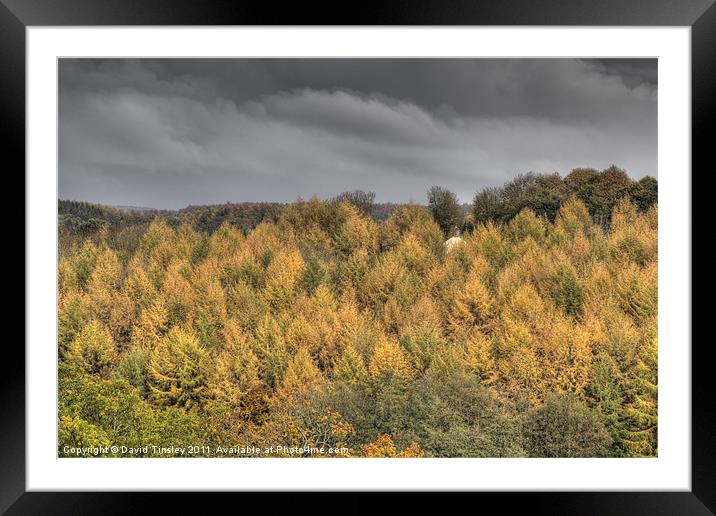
{"x": 85, "y": 218}
{"x": 134, "y": 208}
{"x": 246, "y": 215}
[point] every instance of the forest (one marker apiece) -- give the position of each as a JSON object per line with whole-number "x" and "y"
{"x": 349, "y": 326}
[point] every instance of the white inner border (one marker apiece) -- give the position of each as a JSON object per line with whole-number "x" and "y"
{"x": 670, "y": 471}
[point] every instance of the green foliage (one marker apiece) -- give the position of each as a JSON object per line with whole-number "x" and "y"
{"x": 95, "y": 412}
{"x": 545, "y": 194}
{"x": 453, "y": 417}
{"x": 645, "y": 192}
{"x": 109, "y": 411}
{"x": 565, "y": 427}
{"x": 444, "y": 207}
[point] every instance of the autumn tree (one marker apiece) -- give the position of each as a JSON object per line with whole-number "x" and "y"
{"x": 93, "y": 351}
{"x": 236, "y": 371}
{"x": 177, "y": 371}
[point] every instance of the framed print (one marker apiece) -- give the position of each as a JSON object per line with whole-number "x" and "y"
{"x": 412, "y": 249}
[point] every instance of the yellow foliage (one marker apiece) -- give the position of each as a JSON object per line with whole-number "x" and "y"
{"x": 301, "y": 376}
{"x": 633, "y": 237}
{"x": 473, "y": 306}
{"x": 209, "y": 310}
{"x": 263, "y": 239}
{"x": 413, "y": 255}
{"x": 355, "y": 269}
{"x": 282, "y": 275}
{"x": 518, "y": 365}
{"x": 443, "y": 283}
{"x": 271, "y": 349}
{"x": 236, "y": 367}
{"x": 526, "y": 225}
{"x": 382, "y": 281}
{"x": 139, "y": 285}
{"x": 177, "y": 370}
{"x": 357, "y": 233}
{"x": 423, "y": 314}
{"x": 157, "y": 246}
{"x": 246, "y": 305}
{"x": 637, "y": 290}
{"x": 479, "y": 357}
{"x": 598, "y": 291}
{"x": 314, "y": 324}
{"x": 152, "y": 325}
{"x": 526, "y": 306}
{"x": 566, "y": 352}
{"x": 323, "y": 301}
{"x": 107, "y": 271}
{"x": 580, "y": 249}
{"x": 93, "y": 350}
{"x": 411, "y": 218}
{"x": 178, "y": 292}
{"x": 622, "y": 338}
{"x": 528, "y": 269}
{"x": 479, "y": 268}
{"x": 226, "y": 241}
{"x": 66, "y": 276}
{"x": 360, "y": 332}
{"x": 301, "y": 334}
{"x": 389, "y": 357}
{"x": 383, "y": 447}
{"x": 489, "y": 241}
{"x": 350, "y": 367}
{"x": 449, "y": 359}
{"x": 573, "y": 218}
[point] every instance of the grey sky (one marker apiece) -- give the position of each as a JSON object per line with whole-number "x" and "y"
{"x": 168, "y": 133}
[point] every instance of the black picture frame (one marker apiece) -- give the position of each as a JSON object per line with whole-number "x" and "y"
{"x": 17, "y": 15}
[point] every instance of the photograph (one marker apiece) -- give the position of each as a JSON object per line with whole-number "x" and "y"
{"x": 347, "y": 257}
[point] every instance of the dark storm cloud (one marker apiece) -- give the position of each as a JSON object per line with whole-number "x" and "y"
{"x": 633, "y": 72}
{"x": 172, "y": 132}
